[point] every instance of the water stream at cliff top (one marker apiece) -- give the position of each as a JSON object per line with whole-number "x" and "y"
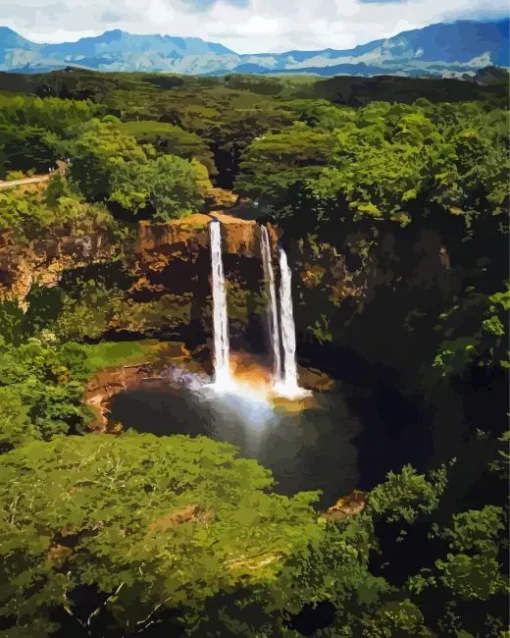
{"x": 265, "y": 246}
{"x": 222, "y": 373}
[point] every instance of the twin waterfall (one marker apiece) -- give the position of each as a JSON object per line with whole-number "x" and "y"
{"x": 285, "y": 377}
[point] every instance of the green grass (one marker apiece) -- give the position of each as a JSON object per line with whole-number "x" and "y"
{"x": 113, "y": 353}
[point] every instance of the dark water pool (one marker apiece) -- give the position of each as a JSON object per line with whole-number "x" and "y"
{"x": 340, "y": 443}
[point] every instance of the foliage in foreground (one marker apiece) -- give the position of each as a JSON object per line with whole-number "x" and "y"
{"x": 41, "y": 389}
{"x": 114, "y": 534}
{"x": 160, "y": 522}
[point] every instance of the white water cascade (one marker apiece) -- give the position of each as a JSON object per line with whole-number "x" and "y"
{"x": 288, "y": 386}
{"x": 222, "y": 373}
{"x": 265, "y": 246}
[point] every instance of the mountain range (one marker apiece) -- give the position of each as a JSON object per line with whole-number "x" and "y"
{"x": 445, "y": 49}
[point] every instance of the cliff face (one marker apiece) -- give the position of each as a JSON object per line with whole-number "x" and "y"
{"x": 374, "y": 301}
{"x": 188, "y": 236}
{"x": 340, "y": 293}
{"x": 162, "y": 271}
{"x": 348, "y": 282}
{"x": 43, "y": 261}
{"x": 174, "y": 259}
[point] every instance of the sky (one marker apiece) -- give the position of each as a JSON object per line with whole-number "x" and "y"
{"x": 245, "y": 26}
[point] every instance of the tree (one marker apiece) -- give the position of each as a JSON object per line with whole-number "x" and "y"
{"x": 109, "y": 165}
{"x": 170, "y": 139}
{"x": 58, "y": 188}
{"x": 407, "y": 495}
{"x": 25, "y": 148}
{"x": 237, "y": 129}
{"x": 100, "y": 153}
{"x": 276, "y": 164}
{"x": 478, "y": 330}
{"x": 33, "y": 130}
{"x": 166, "y": 187}
{"x": 177, "y": 186}
{"x": 328, "y": 117}
{"x": 45, "y": 386}
{"x": 124, "y": 532}
{"x": 50, "y": 114}
{"x": 165, "y": 522}
{"x": 16, "y": 427}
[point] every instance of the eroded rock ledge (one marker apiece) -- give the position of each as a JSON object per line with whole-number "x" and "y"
{"x": 190, "y": 234}
{"x": 43, "y": 261}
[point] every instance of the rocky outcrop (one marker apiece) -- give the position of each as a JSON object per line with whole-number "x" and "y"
{"x": 347, "y": 506}
{"x": 58, "y": 555}
{"x": 188, "y": 514}
{"x": 220, "y": 199}
{"x": 173, "y": 258}
{"x": 105, "y": 385}
{"x": 187, "y": 236}
{"x": 41, "y": 262}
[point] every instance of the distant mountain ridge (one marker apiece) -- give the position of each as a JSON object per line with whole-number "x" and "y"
{"x": 445, "y": 49}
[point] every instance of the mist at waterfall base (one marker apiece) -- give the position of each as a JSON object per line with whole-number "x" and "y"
{"x": 345, "y": 439}
{"x": 314, "y": 448}
{"x": 228, "y": 396}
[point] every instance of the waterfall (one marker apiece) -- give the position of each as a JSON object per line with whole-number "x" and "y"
{"x": 289, "y": 385}
{"x": 222, "y": 374}
{"x": 285, "y": 376}
{"x": 274, "y": 328}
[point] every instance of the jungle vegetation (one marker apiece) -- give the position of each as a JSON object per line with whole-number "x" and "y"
{"x": 134, "y": 535}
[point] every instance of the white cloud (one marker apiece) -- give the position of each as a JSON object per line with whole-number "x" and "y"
{"x": 246, "y": 26}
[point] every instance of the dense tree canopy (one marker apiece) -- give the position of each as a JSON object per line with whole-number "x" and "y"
{"x": 110, "y": 165}
{"x": 173, "y": 522}
{"x": 32, "y": 130}
{"x": 170, "y": 139}
{"x": 382, "y": 160}
{"x": 42, "y": 387}
{"x": 163, "y": 522}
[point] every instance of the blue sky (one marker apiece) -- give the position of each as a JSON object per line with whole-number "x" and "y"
{"x": 246, "y": 26}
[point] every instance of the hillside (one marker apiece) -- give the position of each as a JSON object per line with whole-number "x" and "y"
{"x": 440, "y": 50}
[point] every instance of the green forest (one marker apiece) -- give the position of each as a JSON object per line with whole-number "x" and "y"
{"x": 391, "y": 196}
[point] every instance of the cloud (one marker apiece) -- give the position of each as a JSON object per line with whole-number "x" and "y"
{"x": 246, "y": 26}
{"x": 109, "y": 17}
{"x": 204, "y": 5}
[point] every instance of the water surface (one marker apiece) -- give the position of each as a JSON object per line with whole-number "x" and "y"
{"x": 326, "y": 447}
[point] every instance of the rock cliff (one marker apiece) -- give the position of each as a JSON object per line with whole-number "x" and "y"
{"x": 41, "y": 262}
{"x": 190, "y": 235}
{"x": 163, "y": 272}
